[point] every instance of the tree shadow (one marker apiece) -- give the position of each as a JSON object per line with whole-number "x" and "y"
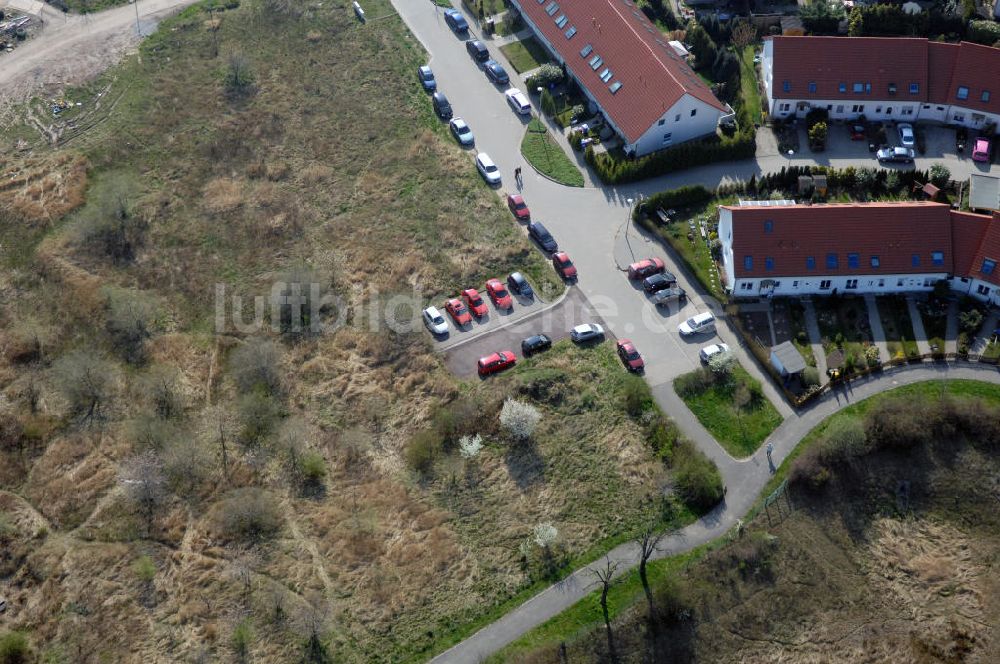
{"x": 525, "y": 465}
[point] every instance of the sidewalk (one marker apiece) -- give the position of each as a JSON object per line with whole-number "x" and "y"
{"x": 951, "y": 332}
{"x": 919, "y": 334}
{"x": 816, "y": 341}
{"x": 878, "y": 334}
{"x": 985, "y": 333}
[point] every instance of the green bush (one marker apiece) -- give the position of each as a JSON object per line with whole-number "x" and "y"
{"x": 547, "y": 103}
{"x": 810, "y": 377}
{"x": 423, "y": 450}
{"x": 984, "y": 32}
{"x": 312, "y": 468}
{"x": 697, "y": 478}
{"x": 637, "y": 396}
{"x": 14, "y": 648}
{"x": 616, "y": 170}
{"x": 694, "y": 383}
{"x": 249, "y": 514}
{"x": 545, "y": 76}
{"x": 940, "y": 174}
{"x": 242, "y": 638}
{"x": 674, "y": 198}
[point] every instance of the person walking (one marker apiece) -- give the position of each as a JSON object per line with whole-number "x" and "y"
{"x": 770, "y": 448}
{"x": 517, "y": 175}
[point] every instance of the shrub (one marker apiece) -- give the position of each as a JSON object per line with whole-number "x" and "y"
{"x": 545, "y": 76}
{"x": 940, "y": 174}
{"x": 971, "y": 321}
{"x": 129, "y": 322}
{"x": 14, "y": 648}
{"x": 843, "y": 440}
{"x": 694, "y": 383}
{"x": 674, "y": 198}
{"x": 85, "y": 379}
{"x": 255, "y": 367}
{"x": 144, "y": 568}
{"x": 547, "y": 103}
{"x": 984, "y": 32}
{"x": 258, "y": 416}
{"x": 808, "y": 470}
{"x": 109, "y": 224}
{"x": 423, "y": 449}
{"x": 249, "y": 514}
{"x": 663, "y": 436}
{"x": 470, "y": 446}
{"x": 637, "y": 396}
{"x": 519, "y": 419}
{"x": 697, "y": 478}
{"x": 891, "y": 424}
{"x": 810, "y": 377}
{"x": 311, "y": 468}
{"x": 817, "y": 135}
{"x": 242, "y": 638}
{"x": 239, "y": 75}
{"x": 615, "y": 170}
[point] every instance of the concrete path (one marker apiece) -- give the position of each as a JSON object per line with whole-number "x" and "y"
{"x": 919, "y": 334}
{"x": 744, "y": 480}
{"x": 878, "y": 334}
{"x": 985, "y": 332}
{"x": 815, "y": 341}
{"x": 951, "y": 331}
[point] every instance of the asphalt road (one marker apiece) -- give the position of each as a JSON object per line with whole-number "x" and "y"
{"x": 591, "y": 224}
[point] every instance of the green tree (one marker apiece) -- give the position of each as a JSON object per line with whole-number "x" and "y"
{"x": 821, "y": 17}
{"x": 14, "y": 648}
{"x": 856, "y": 24}
{"x": 940, "y": 174}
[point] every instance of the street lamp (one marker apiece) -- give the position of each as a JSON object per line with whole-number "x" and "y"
{"x": 138, "y": 30}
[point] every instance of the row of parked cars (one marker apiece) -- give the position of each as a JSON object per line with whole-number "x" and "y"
{"x": 581, "y": 334}
{"x": 471, "y": 304}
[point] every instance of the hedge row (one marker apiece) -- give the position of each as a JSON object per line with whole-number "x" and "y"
{"x": 674, "y": 198}
{"x": 616, "y": 170}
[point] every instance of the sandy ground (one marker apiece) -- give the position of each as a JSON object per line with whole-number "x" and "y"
{"x": 70, "y": 49}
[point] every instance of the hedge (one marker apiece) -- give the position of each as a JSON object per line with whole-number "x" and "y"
{"x": 675, "y": 198}
{"x": 615, "y": 170}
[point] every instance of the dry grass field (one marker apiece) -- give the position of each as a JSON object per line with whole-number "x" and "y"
{"x": 173, "y": 494}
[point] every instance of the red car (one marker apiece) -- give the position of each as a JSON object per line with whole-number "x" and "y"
{"x": 475, "y": 302}
{"x": 858, "y": 132}
{"x": 458, "y": 312}
{"x": 563, "y": 265}
{"x": 496, "y": 362}
{"x": 645, "y": 268}
{"x": 498, "y": 293}
{"x": 517, "y": 205}
{"x": 630, "y": 356}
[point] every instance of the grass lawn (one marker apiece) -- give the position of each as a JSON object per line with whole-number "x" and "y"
{"x": 739, "y": 430}
{"x": 586, "y": 614}
{"x": 898, "y": 328}
{"x": 542, "y": 152}
{"x": 992, "y": 351}
{"x": 749, "y": 90}
{"x": 526, "y": 54}
{"x": 694, "y": 252}
{"x": 87, "y": 6}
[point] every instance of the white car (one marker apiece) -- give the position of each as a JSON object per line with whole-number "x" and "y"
{"x": 708, "y": 352}
{"x": 906, "y": 135}
{"x": 518, "y": 101}
{"x": 586, "y": 332}
{"x": 697, "y": 324}
{"x": 488, "y": 169}
{"x": 460, "y": 130}
{"x": 434, "y": 321}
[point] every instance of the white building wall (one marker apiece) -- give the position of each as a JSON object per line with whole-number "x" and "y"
{"x": 840, "y": 109}
{"x": 976, "y": 288}
{"x": 767, "y": 73}
{"x": 679, "y": 125}
{"x": 726, "y": 239}
{"x": 814, "y": 284}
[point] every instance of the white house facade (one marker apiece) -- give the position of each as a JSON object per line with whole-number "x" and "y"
{"x": 626, "y": 68}
{"x": 890, "y": 79}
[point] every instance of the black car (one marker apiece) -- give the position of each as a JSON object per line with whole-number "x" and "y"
{"x": 541, "y": 235}
{"x": 658, "y": 282}
{"x": 477, "y": 50}
{"x": 518, "y": 284}
{"x": 496, "y": 73}
{"x": 441, "y": 105}
{"x": 535, "y": 344}
{"x": 668, "y": 294}
{"x": 456, "y": 21}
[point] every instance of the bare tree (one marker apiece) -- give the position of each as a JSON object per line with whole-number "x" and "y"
{"x": 605, "y": 575}
{"x": 648, "y": 542}
{"x": 314, "y": 622}
{"x": 144, "y": 483}
{"x": 744, "y": 34}
{"x": 239, "y": 75}
{"x": 256, "y": 366}
{"x": 164, "y": 393}
{"x": 131, "y": 317}
{"x": 85, "y": 379}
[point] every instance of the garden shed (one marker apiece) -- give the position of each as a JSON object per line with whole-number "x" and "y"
{"x": 787, "y": 359}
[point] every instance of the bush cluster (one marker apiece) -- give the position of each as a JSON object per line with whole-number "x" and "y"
{"x": 696, "y": 477}
{"x": 674, "y": 198}
{"x": 617, "y": 170}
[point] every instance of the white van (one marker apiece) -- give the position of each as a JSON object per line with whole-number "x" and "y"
{"x": 518, "y": 101}
{"x": 697, "y": 324}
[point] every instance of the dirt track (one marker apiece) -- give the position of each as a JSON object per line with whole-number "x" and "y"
{"x": 72, "y": 48}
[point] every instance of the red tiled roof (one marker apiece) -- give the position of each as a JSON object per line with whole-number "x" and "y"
{"x": 652, "y": 75}
{"x": 830, "y": 61}
{"x": 938, "y": 69}
{"x": 894, "y": 232}
{"x": 987, "y": 247}
{"x": 967, "y": 232}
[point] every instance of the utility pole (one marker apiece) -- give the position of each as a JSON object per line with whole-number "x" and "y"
{"x": 138, "y": 31}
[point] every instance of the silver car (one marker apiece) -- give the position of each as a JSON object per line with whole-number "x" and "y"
{"x": 488, "y": 169}
{"x": 460, "y": 130}
{"x": 434, "y": 321}
{"x": 586, "y": 332}
{"x": 906, "y": 135}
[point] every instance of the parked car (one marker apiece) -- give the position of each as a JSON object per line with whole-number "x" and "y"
{"x": 477, "y": 50}
{"x": 498, "y": 293}
{"x": 658, "y": 282}
{"x": 895, "y": 155}
{"x": 645, "y": 268}
{"x": 961, "y": 138}
{"x": 456, "y": 309}
{"x": 517, "y": 101}
{"x": 906, "y": 137}
{"x": 456, "y": 21}
{"x": 441, "y": 105}
{"x": 535, "y": 344}
{"x": 426, "y": 77}
{"x": 541, "y": 235}
{"x": 563, "y": 265}
{"x": 697, "y": 324}
{"x": 496, "y": 73}
{"x": 630, "y": 357}
{"x": 488, "y": 169}
{"x": 586, "y": 332}
{"x": 461, "y": 131}
{"x": 496, "y": 362}
{"x": 434, "y": 321}
{"x": 518, "y": 207}
{"x": 667, "y": 294}
{"x": 981, "y": 149}
{"x": 858, "y": 132}
{"x": 475, "y": 302}
{"x": 708, "y": 352}
{"x": 519, "y": 284}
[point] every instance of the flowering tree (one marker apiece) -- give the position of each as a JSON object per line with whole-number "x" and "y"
{"x": 721, "y": 363}
{"x": 544, "y": 535}
{"x": 470, "y": 446}
{"x": 519, "y": 419}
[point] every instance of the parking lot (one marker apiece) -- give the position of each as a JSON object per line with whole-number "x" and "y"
{"x": 555, "y": 321}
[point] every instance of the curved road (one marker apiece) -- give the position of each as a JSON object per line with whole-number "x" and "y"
{"x": 590, "y": 223}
